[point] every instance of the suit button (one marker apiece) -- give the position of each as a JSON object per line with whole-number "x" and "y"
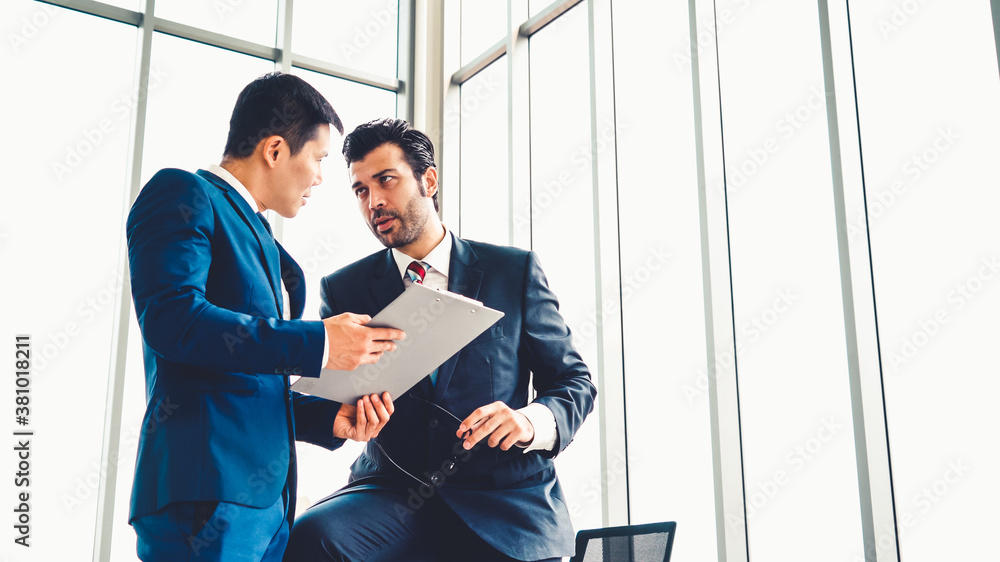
{"x": 448, "y": 466}
{"x": 288, "y": 370}
{"x": 433, "y": 423}
{"x": 277, "y": 371}
{"x": 297, "y": 371}
{"x": 436, "y": 479}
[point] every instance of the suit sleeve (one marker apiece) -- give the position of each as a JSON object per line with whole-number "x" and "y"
{"x": 313, "y": 415}
{"x": 314, "y": 420}
{"x": 169, "y": 232}
{"x": 561, "y": 378}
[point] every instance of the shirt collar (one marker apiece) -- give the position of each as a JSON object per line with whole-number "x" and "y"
{"x": 229, "y": 178}
{"x": 439, "y": 258}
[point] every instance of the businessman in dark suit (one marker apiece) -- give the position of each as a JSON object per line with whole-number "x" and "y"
{"x": 426, "y": 488}
{"x": 215, "y": 470}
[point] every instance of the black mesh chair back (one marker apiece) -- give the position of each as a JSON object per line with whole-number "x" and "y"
{"x": 632, "y": 543}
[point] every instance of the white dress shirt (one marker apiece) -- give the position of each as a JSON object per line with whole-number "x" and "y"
{"x": 439, "y": 263}
{"x": 229, "y": 178}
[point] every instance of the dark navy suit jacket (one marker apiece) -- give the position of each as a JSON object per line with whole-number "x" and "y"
{"x": 219, "y": 422}
{"x": 511, "y": 499}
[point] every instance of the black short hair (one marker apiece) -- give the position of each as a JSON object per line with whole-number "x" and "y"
{"x": 277, "y": 104}
{"x": 418, "y": 150}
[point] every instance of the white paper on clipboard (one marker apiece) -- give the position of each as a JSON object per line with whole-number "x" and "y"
{"x": 438, "y": 324}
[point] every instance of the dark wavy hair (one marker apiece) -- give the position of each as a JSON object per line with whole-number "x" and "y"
{"x": 416, "y": 146}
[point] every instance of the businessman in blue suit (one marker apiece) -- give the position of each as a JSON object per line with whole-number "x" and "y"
{"x": 426, "y": 488}
{"x": 215, "y": 469}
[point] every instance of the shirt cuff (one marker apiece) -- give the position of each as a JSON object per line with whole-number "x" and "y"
{"x": 326, "y": 347}
{"x": 544, "y": 422}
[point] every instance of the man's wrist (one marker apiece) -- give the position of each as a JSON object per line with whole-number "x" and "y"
{"x": 543, "y": 425}
{"x": 326, "y": 347}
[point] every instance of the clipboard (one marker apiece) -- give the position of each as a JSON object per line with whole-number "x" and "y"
{"x": 438, "y": 324}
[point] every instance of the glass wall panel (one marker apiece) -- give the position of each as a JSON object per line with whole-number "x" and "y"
{"x": 484, "y": 23}
{"x": 328, "y": 234}
{"x": 666, "y": 382}
{"x": 927, "y": 84}
{"x": 253, "y": 20}
{"x": 361, "y": 34}
{"x": 71, "y": 147}
{"x": 64, "y": 151}
{"x": 485, "y": 195}
{"x": 561, "y": 219}
{"x": 799, "y": 464}
{"x": 190, "y": 104}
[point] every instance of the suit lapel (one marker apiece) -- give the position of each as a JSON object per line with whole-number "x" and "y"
{"x": 268, "y": 247}
{"x": 466, "y": 280}
{"x": 385, "y": 284}
{"x": 295, "y": 283}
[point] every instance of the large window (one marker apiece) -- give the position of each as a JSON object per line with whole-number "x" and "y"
{"x": 485, "y": 198}
{"x": 64, "y": 191}
{"x": 770, "y": 226}
{"x": 795, "y": 410}
{"x": 779, "y": 169}
{"x": 74, "y": 108}
{"x": 927, "y": 102}
{"x": 669, "y": 468}
{"x": 562, "y": 225}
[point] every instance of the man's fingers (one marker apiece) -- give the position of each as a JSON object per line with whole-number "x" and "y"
{"x": 387, "y": 401}
{"x": 382, "y": 346}
{"x": 380, "y": 410}
{"x": 485, "y": 429}
{"x": 508, "y": 442}
{"x": 385, "y": 334}
{"x": 361, "y": 418}
{"x": 350, "y": 318}
{"x": 376, "y": 419}
{"x": 475, "y": 418}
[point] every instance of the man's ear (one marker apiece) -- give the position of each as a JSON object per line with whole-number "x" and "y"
{"x": 431, "y": 181}
{"x": 271, "y": 149}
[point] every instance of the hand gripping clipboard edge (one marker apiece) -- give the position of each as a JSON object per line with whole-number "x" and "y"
{"x": 438, "y": 324}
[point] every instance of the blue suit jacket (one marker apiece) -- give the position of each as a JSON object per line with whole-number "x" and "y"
{"x": 219, "y": 420}
{"x": 511, "y": 499}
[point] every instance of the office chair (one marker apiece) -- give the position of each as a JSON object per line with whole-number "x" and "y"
{"x": 632, "y": 543}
